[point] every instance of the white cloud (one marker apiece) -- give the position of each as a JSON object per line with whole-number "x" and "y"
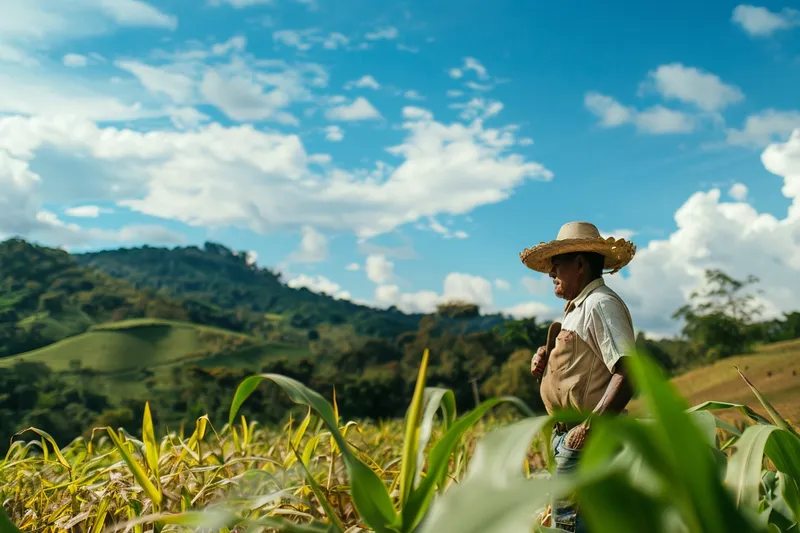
{"x": 359, "y": 109}
{"x": 761, "y": 22}
{"x": 691, "y": 85}
{"x": 539, "y": 285}
{"x": 732, "y": 236}
{"x": 478, "y": 108}
{"x": 470, "y": 63}
{"x": 457, "y": 287}
{"x": 252, "y": 257}
{"x": 334, "y": 133}
{"x": 383, "y": 33}
{"x": 353, "y": 267}
{"x": 295, "y": 38}
{"x": 541, "y": 311}
{"x": 217, "y": 176}
{"x": 417, "y": 113}
{"x": 75, "y": 60}
{"x": 655, "y": 120}
{"x": 178, "y": 87}
{"x": 334, "y": 40}
{"x": 319, "y": 284}
{"x": 738, "y": 192}
{"x": 502, "y": 284}
{"x": 313, "y": 247}
{"x": 236, "y": 43}
{"x": 379, "y": 269}
{"x": 243, "y": 98}
{"x": 413, "y": 95}
{"x": 364, "y": 82}
{"x": 455, "y": 73}
{"x": 621, "y": 233}
{"x": 762, "y": 128}
{"x": 409, "y": 49}
{"x": 454, "y": 93}
{"x": 86, "y": 211}
{"x": 526, "y": 141}
{"x": 610, "y": 112}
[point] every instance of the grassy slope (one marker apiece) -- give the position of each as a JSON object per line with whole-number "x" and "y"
{"x": 147, "y": 343}
{"x": 773, "y": 369}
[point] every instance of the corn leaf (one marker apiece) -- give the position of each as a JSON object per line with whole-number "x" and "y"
{"x": 412, "y": 431}
{"x": 773, "y": 413}
{"x": 6, "y": 525}
{"x": 136, "y": 469}
{"x": 336, "y": 522}
{"x": 150, "y": 445}
{"x": 744, "y": 468}
{"x": 369, "y": 493}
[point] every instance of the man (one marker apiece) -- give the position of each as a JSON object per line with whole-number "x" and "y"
{"x": 584, "y": 368}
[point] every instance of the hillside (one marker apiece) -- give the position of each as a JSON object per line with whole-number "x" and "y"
{"x": 46, "y": 296}
{"x": 224, "y": 279}
{"x": 773, "y": 369}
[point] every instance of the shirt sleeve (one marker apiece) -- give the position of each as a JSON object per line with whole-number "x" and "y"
{"x": 611, "y": 327}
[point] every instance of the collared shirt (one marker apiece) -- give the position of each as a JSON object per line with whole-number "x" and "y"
{"x": 600, "y": 317}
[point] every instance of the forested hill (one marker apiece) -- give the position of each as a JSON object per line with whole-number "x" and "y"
{"x": 224, "y": 278}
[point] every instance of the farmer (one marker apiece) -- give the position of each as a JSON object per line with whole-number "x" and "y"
{"x": 584, "y": 368}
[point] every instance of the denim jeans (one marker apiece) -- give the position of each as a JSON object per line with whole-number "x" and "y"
{"x": 565, "y": 515}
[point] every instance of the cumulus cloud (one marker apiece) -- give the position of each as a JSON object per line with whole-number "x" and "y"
{"x": 502, "y": 284}
{"x": 238, "y": 176}
{"x": 655, "y": 120}
{"x": 694, "y": 86}
{"x": 313, "y": 247}
{"x": 379, "y": 269}
{"x": 320, "y": 285}
{"x": 738, "y": 192}
{"x": 761, "y": 22}
{"x": 763, "y": 128}
{"x": 367, "y": 81}
{"x": 733, "y": 236}
{"x": 457, "y": 287}
{"x": 334, "y": 133}
{"x": 86, "y": 211}
{"x": 353, "y": 267}
{"x": 358, "y": 109}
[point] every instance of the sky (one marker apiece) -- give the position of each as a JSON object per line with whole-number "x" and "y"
{"x": 405, "y": 153}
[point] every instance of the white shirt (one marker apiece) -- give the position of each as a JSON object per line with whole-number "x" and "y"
{"x": 600, "y": 317}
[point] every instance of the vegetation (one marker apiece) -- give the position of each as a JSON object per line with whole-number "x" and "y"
{"x": 681, "y": 469}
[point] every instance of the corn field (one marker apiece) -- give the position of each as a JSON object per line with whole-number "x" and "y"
{"x": 679, "y": 469}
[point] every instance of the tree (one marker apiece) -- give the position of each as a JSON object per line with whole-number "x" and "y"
{"x": 717, "y": 318}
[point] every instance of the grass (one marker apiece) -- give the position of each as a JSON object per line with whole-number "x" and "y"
{"x": 774, "y": 368}
{"x": 130, "y": 345}
{"x": 438, "y": 470}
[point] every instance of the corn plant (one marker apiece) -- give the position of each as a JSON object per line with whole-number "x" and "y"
{"x": 677, "y": 469}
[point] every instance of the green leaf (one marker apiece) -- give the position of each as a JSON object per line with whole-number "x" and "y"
{"x": 744, "y": 468}
{"x": 369, "y": 493}
{"x": 412, "y": 431}
{"x": 602, "y": 507}
{"x": 494, "y": 496}
{"x": 150, "y": 444}
{"x": 46, "y": 436}
{"x": 699, "y": 497}
{"x": 439, "y": 458}
{"x": 718, "y": 406}
{"x": 436, "y": 398}
{"x": 136, "y": 469}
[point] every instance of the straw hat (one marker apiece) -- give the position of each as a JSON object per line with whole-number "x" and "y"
{"x": 579, "y": 237}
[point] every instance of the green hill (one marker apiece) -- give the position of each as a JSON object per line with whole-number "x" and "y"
{"x": 225, "y": 280}
{"x": 121, "y": 355}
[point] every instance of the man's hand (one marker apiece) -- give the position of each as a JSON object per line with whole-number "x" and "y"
{"x": 538, "y": 362}
{"x": 576, "y": 437}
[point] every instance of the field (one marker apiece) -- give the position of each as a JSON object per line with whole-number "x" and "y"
{"x": 774, "y": 369}
{"x": 116, "y": 352}
{"x": 439, "y": 471}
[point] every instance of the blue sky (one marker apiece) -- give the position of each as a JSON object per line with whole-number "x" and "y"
{"x": 406, "y": 152}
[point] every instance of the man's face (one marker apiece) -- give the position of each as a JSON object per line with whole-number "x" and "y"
{"x": 566, "y": 274}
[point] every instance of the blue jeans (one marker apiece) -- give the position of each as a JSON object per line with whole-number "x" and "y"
{"x": 565, "y": 515}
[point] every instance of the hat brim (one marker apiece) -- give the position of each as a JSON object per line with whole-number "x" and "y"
{"x": 617, "y": 252}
